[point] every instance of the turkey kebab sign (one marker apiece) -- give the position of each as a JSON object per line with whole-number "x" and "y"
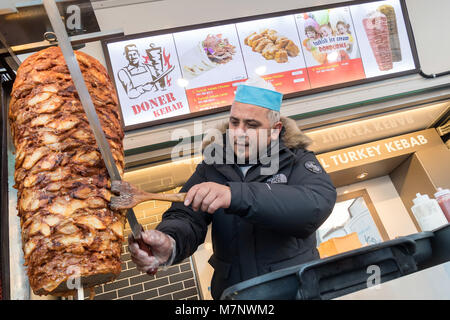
{"x": 147, "y": 79}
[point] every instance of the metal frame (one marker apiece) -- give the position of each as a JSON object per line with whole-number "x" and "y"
{"x": 103, "y": 4}
{"x": 10, "y": 248}
{"x": 4, "y": 196}
{"x": 257, "y": 17}
{"x": 77, "y": 41}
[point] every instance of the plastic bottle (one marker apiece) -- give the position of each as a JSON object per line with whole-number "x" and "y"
{"x": 443, "y": 198}
{"x": 428, "y": 213}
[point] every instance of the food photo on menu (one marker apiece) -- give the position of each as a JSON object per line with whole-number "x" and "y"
{"x": 383, "y": 38}
{"x": 394, "y": 41}
{"x": 328, "y": 36}
{"x": 330, "y": 47}
{"x": 376, "y": 28}
{"x": 211, "y": 62}
{"x": 272, "y": 45}
{"x": 271, "y": 49}
{"x": 206, "y": 55}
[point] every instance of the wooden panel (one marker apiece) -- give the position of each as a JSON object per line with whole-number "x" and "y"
{"x": 392, "y": 124}
{"x": 368, "y": 153}
{"x": 374, "y": 170}
{"x": 373, "y": 212}
{"x": 436, "y": 161}
{"x": 163, "y": 177}
{"x": 410, "y": 178}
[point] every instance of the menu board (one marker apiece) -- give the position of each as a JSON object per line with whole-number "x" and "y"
{"x": 185, "y": 72}
{"x": 271, "y": 49}
{"x": 382, "y": 36}
{"x": 211, "y": 63}
{"x": 330, "y": 47}
{"x": 147, "y": 76}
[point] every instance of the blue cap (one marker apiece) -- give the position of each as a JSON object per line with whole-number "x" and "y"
{"x": 265, "y": 98}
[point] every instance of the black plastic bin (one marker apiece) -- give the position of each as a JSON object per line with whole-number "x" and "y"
{"x": 424, "y": 250}
{"x": 440, "y": 246}
{"x": 334, "y": 276}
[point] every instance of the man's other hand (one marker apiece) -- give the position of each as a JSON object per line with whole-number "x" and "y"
{"x": 208, "y": 196}
{"x": 160, "y": 245}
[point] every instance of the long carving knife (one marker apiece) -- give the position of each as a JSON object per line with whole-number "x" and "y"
{"x": 86, "y": 101}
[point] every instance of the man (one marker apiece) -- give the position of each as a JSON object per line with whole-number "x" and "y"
{"x": 261, "y": 222}
{"x": 137, "y": 77}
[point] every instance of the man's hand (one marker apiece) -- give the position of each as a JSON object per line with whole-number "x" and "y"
{"x": 161, "y": 246}
{"x": 208, "y": 196}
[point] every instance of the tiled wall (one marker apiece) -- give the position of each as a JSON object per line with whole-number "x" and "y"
{"x": 178, "y": 281}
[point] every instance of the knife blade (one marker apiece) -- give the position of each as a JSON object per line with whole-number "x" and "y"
{"x": 86, "y": 101}
{"x": 164, "y": 74}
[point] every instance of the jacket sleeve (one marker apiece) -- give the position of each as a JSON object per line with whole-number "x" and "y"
{"x": 297, "y": 208}
{"x": 187, "y": 227}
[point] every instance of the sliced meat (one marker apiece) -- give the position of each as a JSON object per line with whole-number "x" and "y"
{"x": 63, "y": 185}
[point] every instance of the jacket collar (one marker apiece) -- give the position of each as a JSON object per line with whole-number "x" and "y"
{"x": 291, "y": 135}
{"x": 291, "y": 139}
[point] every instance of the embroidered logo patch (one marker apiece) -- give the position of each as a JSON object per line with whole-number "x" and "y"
{"x": 278, "y": 178}
{"x": 313, "y": 167}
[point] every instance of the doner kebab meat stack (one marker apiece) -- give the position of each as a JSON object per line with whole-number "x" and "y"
{"x": 63, "y": 185}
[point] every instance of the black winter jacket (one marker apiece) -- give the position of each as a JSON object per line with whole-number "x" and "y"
{"x": 271, "y": 222}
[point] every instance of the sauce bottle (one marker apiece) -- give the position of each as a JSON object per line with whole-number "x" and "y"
{"x": 428, "y": 213}
{"x": 443, "y": 198}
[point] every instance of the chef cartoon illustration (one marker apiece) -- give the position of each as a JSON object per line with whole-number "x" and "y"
{"x": 137, "y": 77}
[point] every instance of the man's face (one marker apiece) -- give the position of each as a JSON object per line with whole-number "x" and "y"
{"x": 249, "y": 127}
{"x": 133, "y": 57}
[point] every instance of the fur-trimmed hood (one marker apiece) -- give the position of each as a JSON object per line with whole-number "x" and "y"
{"x": 291, "y": 135}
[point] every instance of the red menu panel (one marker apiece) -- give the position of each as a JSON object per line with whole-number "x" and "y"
{"x": 336, "y": 72}
{"x": 210, "y": 97}
{"x": 289, "y": 81}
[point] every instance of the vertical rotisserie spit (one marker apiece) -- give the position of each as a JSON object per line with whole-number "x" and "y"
{"x": 68, "y": 229}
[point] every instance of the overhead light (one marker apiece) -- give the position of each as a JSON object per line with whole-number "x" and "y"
{"x": 346, "y": 191}
{"x": 362, "y": 175}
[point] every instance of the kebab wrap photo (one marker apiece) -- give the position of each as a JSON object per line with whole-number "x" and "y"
{"x": 206, "y": 55}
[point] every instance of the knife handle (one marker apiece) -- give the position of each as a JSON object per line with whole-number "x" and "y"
{"x": 145, "y": 247}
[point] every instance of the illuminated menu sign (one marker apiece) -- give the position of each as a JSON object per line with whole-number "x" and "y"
{"x": 186, "y": 72}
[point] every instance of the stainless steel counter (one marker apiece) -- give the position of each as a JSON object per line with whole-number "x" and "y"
{"x": 429, "y": 284}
